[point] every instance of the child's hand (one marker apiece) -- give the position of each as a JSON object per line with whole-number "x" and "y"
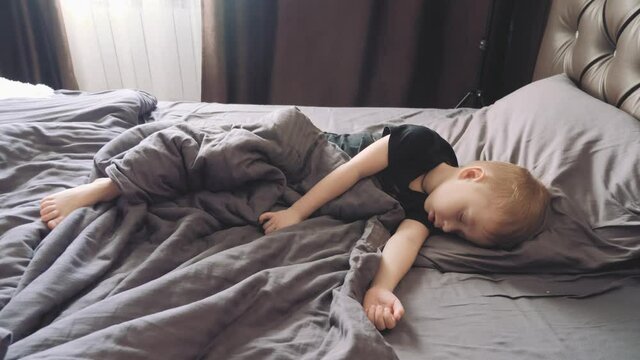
{"x": 273, "y": 221}
{"x": 383, "y": 308}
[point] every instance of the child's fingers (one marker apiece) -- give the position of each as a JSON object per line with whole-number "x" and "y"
{"x": 379, "y": 317}
{"x": 47, "y": 209}
{"x": 389, "y": 320}
{"x": 371, "y": 314}
{"x": 265, "y": 216}
{"x": 270, "y": 228}
{"x": 398, "y": 310}
{"x": 50, "y": 216}
{"x": 53, "y": 223}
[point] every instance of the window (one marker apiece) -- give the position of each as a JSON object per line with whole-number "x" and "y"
{"x": 153, "y": 45}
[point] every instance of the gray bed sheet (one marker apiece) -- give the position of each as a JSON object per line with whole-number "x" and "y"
{"x": 518, "y": 316}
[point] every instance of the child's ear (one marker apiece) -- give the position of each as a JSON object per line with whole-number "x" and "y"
{"x": 474, "y": 173}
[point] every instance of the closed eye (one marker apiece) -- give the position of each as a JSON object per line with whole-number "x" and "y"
{"x": 461, "y": 217}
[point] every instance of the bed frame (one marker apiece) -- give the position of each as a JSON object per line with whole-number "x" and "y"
{"x": 596, "y": 42}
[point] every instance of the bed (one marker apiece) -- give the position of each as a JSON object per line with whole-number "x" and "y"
{"x": 192, "y": 276}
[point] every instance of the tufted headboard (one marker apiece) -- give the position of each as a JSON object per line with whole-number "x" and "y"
{"x": 597, "y": 43}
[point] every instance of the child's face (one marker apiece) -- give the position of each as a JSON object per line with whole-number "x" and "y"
{"x": 463, "y": 206}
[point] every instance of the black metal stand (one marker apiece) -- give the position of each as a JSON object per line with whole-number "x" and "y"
{"x": 475, "y": 98}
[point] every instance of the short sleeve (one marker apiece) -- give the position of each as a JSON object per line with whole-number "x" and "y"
{"x": 415, "y": 150}
{"x": 413, "y": 206}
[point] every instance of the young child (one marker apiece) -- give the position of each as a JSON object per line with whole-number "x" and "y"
{"x": 491, "y": 204}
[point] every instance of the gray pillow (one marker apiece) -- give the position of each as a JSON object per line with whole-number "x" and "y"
{"x": 586, "y": 150}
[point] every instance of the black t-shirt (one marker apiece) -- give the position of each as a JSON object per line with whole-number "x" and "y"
{"x": 413, "y": 150}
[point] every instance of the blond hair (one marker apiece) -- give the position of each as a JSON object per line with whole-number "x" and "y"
{"x": 521, "y": 202}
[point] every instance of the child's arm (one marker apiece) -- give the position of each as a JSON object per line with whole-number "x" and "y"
{"x": 383, "y": 308}
{"x": 366, "y": 163}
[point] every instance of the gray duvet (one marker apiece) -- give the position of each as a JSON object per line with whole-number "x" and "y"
{"x": 179, "y": 267}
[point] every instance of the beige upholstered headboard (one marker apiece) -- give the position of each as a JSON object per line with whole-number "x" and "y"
{"x": 597, "y": 43}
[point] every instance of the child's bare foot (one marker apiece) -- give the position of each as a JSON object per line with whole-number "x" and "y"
{"x": 54, "y": 208}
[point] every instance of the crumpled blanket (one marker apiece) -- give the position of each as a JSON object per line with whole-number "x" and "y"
{"x": 180, "y": 268}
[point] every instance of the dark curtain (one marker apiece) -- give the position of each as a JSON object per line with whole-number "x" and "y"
{"x": 33, "y": 45}
{"x": 416, "y": 53}
{"x": 515, "y": 33}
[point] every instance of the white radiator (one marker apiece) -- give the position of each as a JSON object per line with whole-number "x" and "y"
{"x": 153, "y": 45}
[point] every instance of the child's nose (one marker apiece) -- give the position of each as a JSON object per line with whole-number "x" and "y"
{"x": 449, "y": 226}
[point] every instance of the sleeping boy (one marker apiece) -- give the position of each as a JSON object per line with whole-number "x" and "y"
{"x": 489, "y": 203}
